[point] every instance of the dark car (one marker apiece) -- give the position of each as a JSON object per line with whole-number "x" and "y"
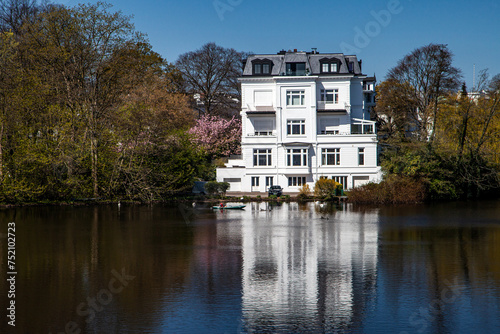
{"x": 275, "y": 190}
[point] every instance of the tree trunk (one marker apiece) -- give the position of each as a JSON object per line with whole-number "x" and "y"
{"x": 93, "y": 155}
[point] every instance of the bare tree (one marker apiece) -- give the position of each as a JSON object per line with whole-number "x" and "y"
{"x": 14, "y": 13}
{"x": 210, "y": 76}
{"x": 429, "y": 71}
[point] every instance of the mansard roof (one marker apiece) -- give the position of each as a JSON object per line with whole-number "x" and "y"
{"x": 313, "y": 61}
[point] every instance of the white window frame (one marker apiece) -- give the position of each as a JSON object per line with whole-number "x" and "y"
{"x": 259, "y": 153}
{"x": 302, "y": 154}
{"x": 296, "y": 181}
{"x": 341, "y": 179}
{"x": 292, "y": 95}
{"x": 255, "y": 181}
{"x": 269, "y": 181}
{"x": 332, "y": 153}
{"x": 292, "y": 124}
{"x": 334, "y": 92}
{"x": 361, "y": 156}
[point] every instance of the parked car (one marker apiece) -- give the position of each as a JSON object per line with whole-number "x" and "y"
{"x": 275, "y": 190}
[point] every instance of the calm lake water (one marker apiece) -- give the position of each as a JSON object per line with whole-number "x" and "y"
{"x": 291, "y": 268}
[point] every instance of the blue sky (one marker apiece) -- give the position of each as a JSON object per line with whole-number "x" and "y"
{"x": 378, "y": 32}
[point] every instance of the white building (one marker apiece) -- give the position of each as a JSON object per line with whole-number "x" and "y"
{"x": 305, "y": 115}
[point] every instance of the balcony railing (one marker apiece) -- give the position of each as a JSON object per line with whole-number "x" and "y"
{"x": 262, "y": 134}
{"x": 327, "y": 105}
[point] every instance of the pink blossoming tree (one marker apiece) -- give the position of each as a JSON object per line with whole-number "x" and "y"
{"x": 218, "y": 136}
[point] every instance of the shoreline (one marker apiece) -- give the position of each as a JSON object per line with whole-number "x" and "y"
{"x": 180, "y": 199}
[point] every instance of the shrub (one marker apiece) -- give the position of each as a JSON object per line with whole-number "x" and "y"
{"x": 273, "y": 197}
{"x": 393, "y": 190}
{"x": 305, "y": 191}
{"x": 326, "y": 188}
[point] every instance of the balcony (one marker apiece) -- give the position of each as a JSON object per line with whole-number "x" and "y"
{"x": 328, "y": 106}
{"x": 260, "y": 110}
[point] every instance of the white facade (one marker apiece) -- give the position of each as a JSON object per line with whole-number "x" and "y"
{"x": 299, "y": 125}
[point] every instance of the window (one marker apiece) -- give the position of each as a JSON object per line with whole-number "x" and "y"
{"x": 296, "y": 157}
{"x": 330, "y": 156}
{"x": 232, "y": 179}
{"x": 269, "y": 181}
{"x": 262, "y": 67}
{"x": 266, "y": 68}
{"x": 329, "y": 65}
{"x": 257, "y": 68}
{"x": 341, "y": 179}
{"x": 296, "y": 127}
{"x": 361, "y": 126}
{"x": 329, "y": 126}
{"x": 351, "y": 67}
{"x": 295, "y": 68}
{"x": 295, "y": 98}
{"x": 330, "y": 95}
{"x": 263, "y": 127}
{"x": 361, "y": 156}
{"x": 262, "y": 157}
{"x": 255, "y": 181}
{"x": 296, "y": 181}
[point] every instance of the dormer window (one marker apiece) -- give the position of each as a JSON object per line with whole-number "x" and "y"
{"x": 329, "y": 65}
{"x": 295, "y": 68}
{"x": 262, "y": 67}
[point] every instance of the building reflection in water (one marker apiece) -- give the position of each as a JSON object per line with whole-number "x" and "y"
{"x": 306, "y": 268}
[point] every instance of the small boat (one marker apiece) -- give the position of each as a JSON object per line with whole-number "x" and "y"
{"x": 234, "y": 207}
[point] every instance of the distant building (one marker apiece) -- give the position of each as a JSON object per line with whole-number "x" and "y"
{"x": 305, "y": 116}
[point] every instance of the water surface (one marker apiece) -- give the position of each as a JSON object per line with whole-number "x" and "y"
{"x": 311, "y": 268}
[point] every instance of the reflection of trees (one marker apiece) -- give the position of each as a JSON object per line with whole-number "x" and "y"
{"x": 425, "y": 260}
{"x": 66, "y": 255}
